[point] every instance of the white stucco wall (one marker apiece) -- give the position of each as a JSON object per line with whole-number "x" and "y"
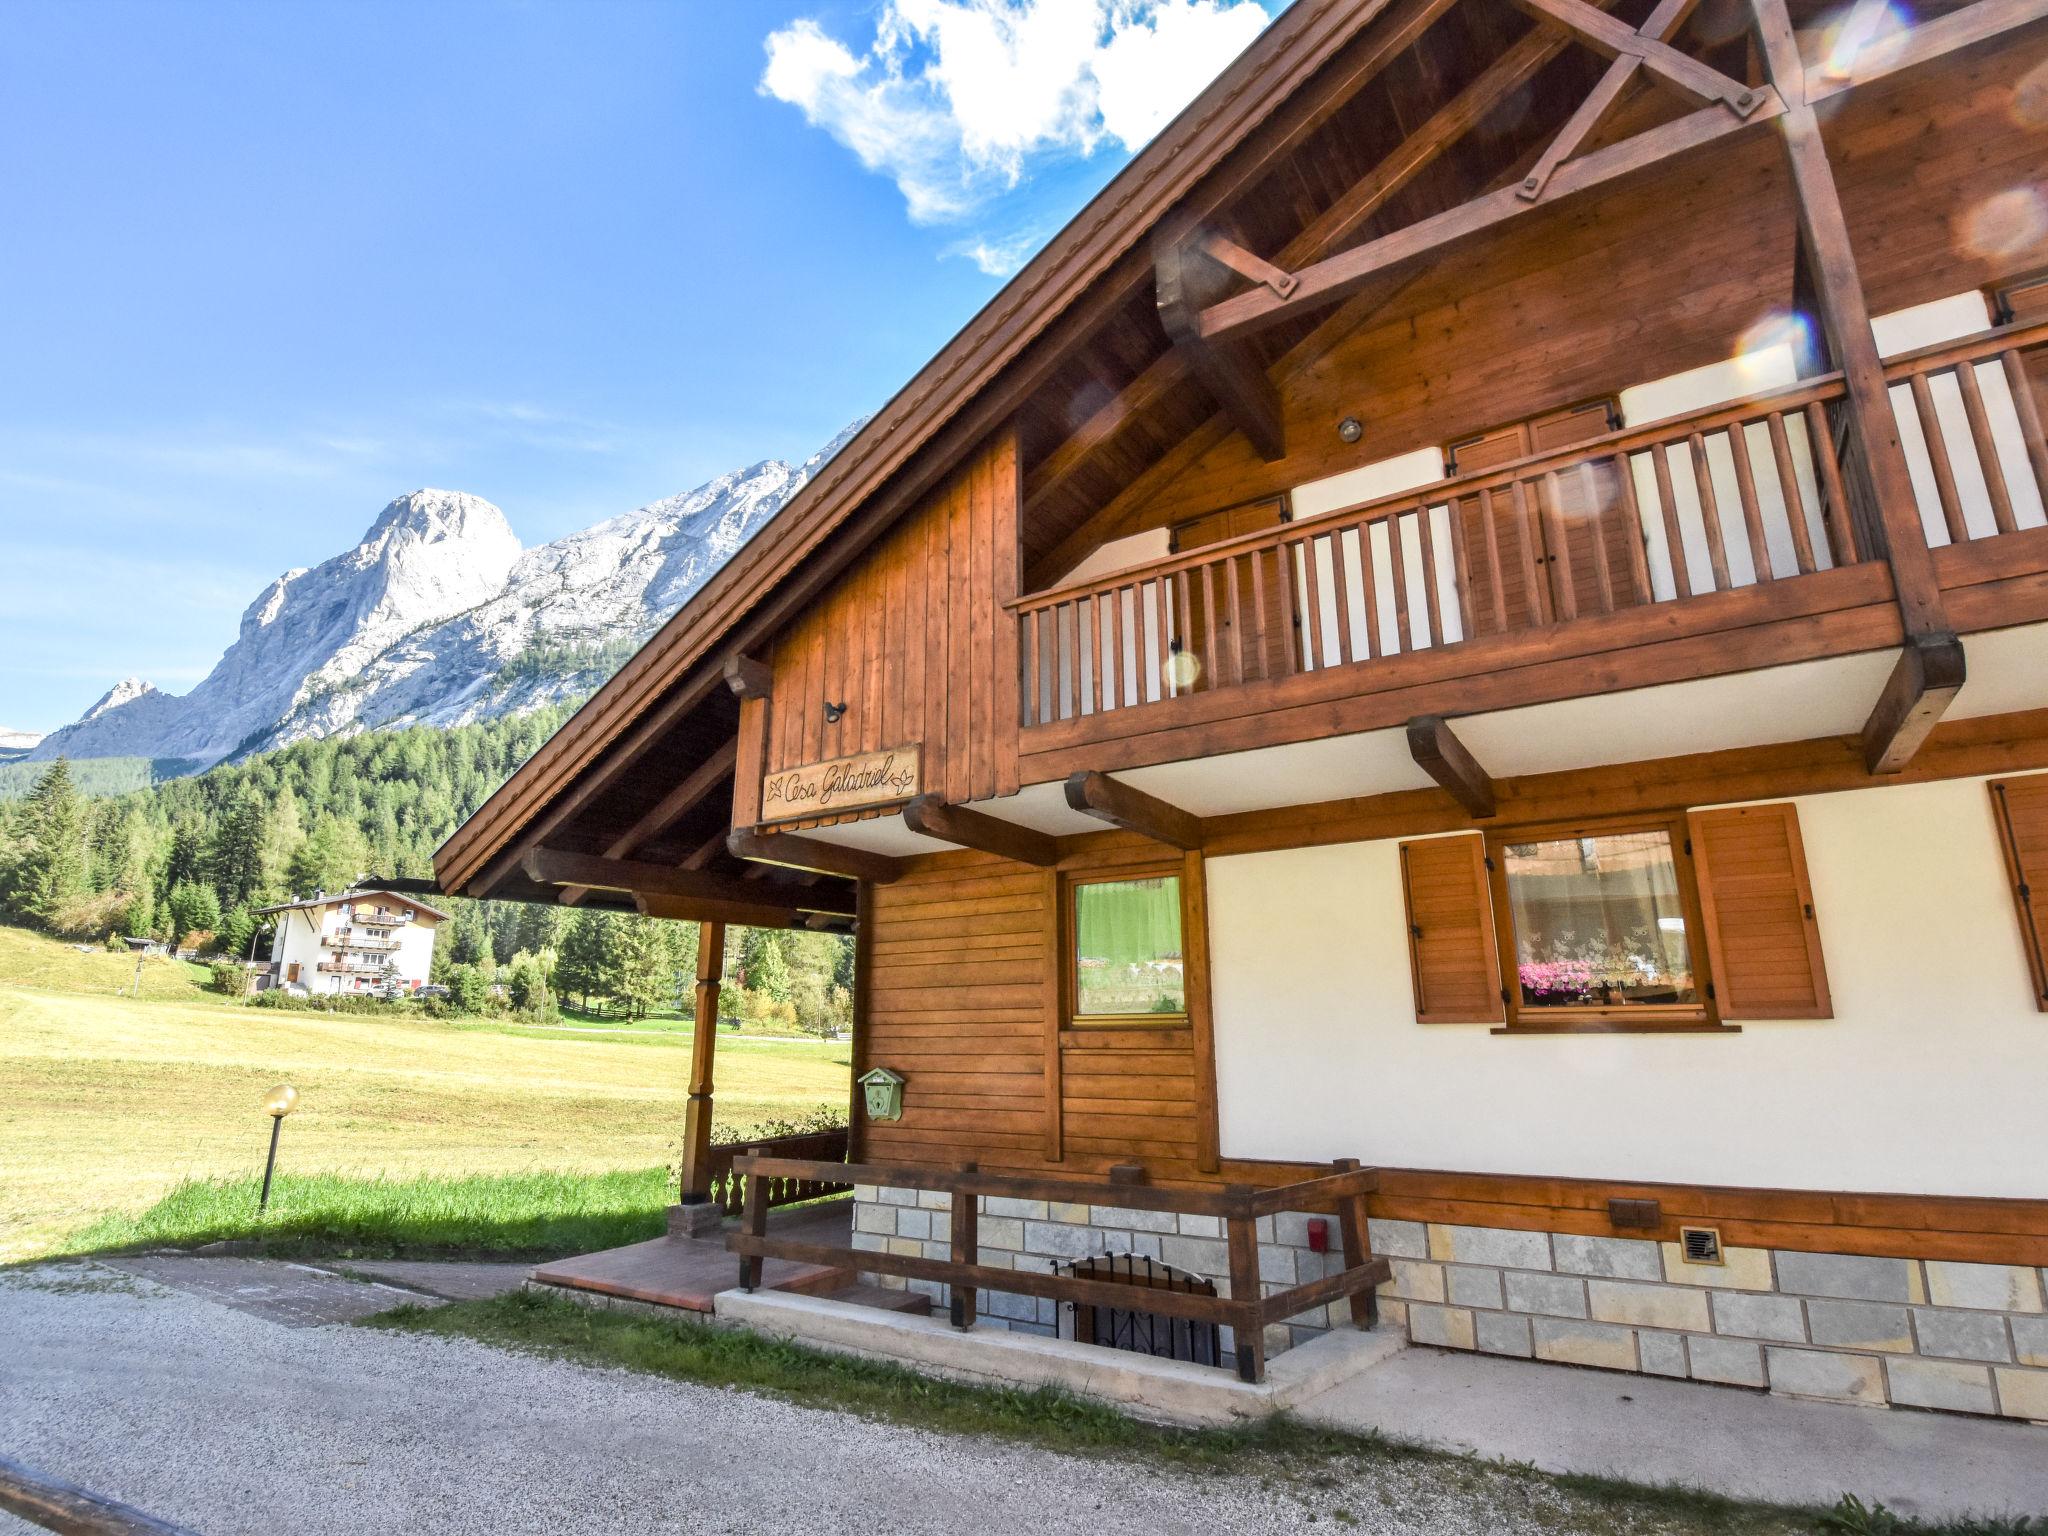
{"x": 1931, "y": 1078}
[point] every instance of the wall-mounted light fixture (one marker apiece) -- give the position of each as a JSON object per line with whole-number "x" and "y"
{"x": 834, "y": 712}
{"x": 1350, "y": 429}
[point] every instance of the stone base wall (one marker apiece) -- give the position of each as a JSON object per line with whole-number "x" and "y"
{"x": 1966, "y": 1338}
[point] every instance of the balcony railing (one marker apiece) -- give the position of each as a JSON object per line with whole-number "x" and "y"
{"x": 1756, "y": 490}
{"x": 369, "y": 942}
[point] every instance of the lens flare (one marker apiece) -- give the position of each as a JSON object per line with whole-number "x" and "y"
{"x": 1862, "y": 34}
{"x": 2030, "y": 99}
{"x": 2005, "y": 224}
{"x": 1181, "y": 670}
{"x": 1759, "y": 349}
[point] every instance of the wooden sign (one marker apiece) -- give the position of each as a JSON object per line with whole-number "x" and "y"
{"x": 842, "y": 784}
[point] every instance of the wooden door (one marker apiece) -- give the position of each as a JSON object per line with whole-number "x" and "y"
{"x": 1238, "y": 643}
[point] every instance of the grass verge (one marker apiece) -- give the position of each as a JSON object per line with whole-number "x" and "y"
{"x": 519, "y": 1215}
{"x": 1284, "y": 1452}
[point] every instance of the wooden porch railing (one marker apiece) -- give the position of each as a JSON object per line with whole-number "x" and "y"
{"x": 821, "y": 1150}
{"x": 1751, "y": 491}
{"x": 1245, "y": 1310}
{"x": 64, "y": 1507}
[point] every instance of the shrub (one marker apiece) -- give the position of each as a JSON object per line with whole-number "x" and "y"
{"x": 228, "y": 978}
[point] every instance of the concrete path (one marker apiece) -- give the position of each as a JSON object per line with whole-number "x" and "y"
{"x": 1747, "y": 1444}
{"x": 229, "y": 1418}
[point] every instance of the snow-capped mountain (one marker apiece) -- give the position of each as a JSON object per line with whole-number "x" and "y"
{"x": 439, "y": 617}
{"x": 17, "y": 741}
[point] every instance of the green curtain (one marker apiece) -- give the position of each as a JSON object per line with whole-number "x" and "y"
{"x": 1128, "y": 922}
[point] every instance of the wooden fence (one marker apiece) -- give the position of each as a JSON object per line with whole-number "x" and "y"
{"x": 1245, "y": 1310}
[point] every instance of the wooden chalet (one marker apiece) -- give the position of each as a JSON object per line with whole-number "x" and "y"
{"x": 1481, "y": 612}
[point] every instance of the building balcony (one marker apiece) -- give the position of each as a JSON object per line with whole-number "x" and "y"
{"x": 1740, "y": 536}
{"x": 373, "y": 943}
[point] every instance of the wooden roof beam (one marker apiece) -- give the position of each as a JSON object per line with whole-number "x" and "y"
{"x": 1438, "y": 753}
{"x": 1231, "y": 375}
{"x": 749, "y": 677}
{"x": 794, "y": 852}
{"x": 931, "y": 816}
{"x": 670, "y": 809}
{"x": 707, "y": 898}
{"x": 1665, "y": 20}
{"x": 1119, "y": 804}
{"x": 1697, "y": 82}
{"x": 1336, "y": 277}
{"x": 1928, "y": 40}
{"x": 1929, "y": 673}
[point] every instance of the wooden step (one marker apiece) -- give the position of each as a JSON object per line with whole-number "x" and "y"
{"x": 916, "y": 1303}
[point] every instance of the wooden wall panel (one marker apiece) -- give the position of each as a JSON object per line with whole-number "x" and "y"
{"x": 909, "y": 641}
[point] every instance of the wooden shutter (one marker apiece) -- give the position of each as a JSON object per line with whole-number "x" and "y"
{"x": 1763, "y": 944}
{"x": 2022, "y": 809}
{"x": 1451, "y": 950}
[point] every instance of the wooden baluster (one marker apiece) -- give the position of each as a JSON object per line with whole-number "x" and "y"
{"x": 1160, "y": 605}
{"x": 1208, "y": 578}
{"x": 1752, "y": 511}
{"x": 1987, "y": 448}
{"x": 1674, "y": 536}
{"x": 1710, "y": 510}
{"x": 1638, "y": 556}
{"x": 1245, "y": 1294}
{"x": 1461, "y": 570}
{"x": 1795, "y": 501}
{"x": 1596, "y": 531}
{"x": 1535, "y": 590}
{"x": 1074, "y": 656}
{"x": 1835, "y": 514}
{"x": 1432, "y": 603}
{"x": 1937, "y": 458}
{"x": 1316, "y": 654}
{"x": 1027, "y": 679}
{"x": 1356, "y": 1240}
{"x": 1372, "y": 642}
{"x": 1397, "y": 578}
{"x": 1109, "y": 691}
{"x": 1262, "y": 645}
{"x": 753, "y": 1222}
{"x": 966, "y": 1211}
{"x": 1234, "y": 599}
{"x": 1494, "y": 574}
{"x": 1340, "y": 592}
{"x": 2029, "y": 412}
{"x": 1290, "y": 638}
{"x": 1557, "y": 557}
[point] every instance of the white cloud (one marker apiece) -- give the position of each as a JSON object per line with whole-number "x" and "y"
{"x": 955, "y": 99}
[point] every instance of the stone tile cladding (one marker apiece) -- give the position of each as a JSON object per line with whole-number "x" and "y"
{"x": 1934, "y": 1333}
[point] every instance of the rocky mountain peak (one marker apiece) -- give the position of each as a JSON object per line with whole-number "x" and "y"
{"x": 127, "y": 691}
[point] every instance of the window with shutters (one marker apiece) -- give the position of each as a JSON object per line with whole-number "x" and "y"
{"x": 1600, "y": 926}
{"x": 1681, "y": 922}
{"x": 2021, "y": 806}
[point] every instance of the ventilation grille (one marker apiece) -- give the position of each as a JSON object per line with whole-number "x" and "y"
{"x": 1701, "y": 1245}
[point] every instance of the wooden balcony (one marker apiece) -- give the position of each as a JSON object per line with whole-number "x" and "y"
{"x": 1708, "y": 528}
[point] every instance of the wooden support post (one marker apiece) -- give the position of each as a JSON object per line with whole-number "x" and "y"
{"x": 1100, "y": 796}
{"x": 703, "y": 1046}
{"x": 1357, "y": 1241}
{"x": 1845, "y": 316}
{"x": 1233, "y": 376}
{"x": 966, "y": 1208}
{"x": 931, "y": 816}
{"x": 1929, "y": 673}
{"x": 753, "y": 1222}
{"x": 1243, "y": 1232}
{"x": 1438, "y": 753}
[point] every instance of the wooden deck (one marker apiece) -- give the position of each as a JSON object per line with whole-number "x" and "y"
{"x": 686, "y": 1272}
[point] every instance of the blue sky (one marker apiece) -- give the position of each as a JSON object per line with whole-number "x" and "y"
{"x": 267, "y": 266}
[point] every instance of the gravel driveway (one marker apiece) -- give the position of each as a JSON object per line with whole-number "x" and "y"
{"x": 228, "y": 1419}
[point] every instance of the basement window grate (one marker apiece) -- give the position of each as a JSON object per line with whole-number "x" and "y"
{"x": 1134, "y": 1328}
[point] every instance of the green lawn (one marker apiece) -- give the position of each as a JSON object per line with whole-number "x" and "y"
{"x": 110, "y": 1102}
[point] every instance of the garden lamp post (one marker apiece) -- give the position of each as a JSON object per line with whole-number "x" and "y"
{"x": 277, "y": 1104}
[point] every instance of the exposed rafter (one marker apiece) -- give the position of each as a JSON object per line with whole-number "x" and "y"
{"x": 749, "y": 677}
{"x": 1232, "y": 375}
{"x": 966, "y": 828}
{"x": 1666, "y": 19}
{"x": 1929, "y": 673}
{"x": 794, "y": 852}
{"x": 1697, "y": 82}
{"x": 1100, "y": 796}
{"x": 1438, "y": 753}
{"x": 709, "y": 898}
{"x": 670, "y": 809}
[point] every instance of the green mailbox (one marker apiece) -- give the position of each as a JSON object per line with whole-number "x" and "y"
{"x": 884, "y": 1091}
